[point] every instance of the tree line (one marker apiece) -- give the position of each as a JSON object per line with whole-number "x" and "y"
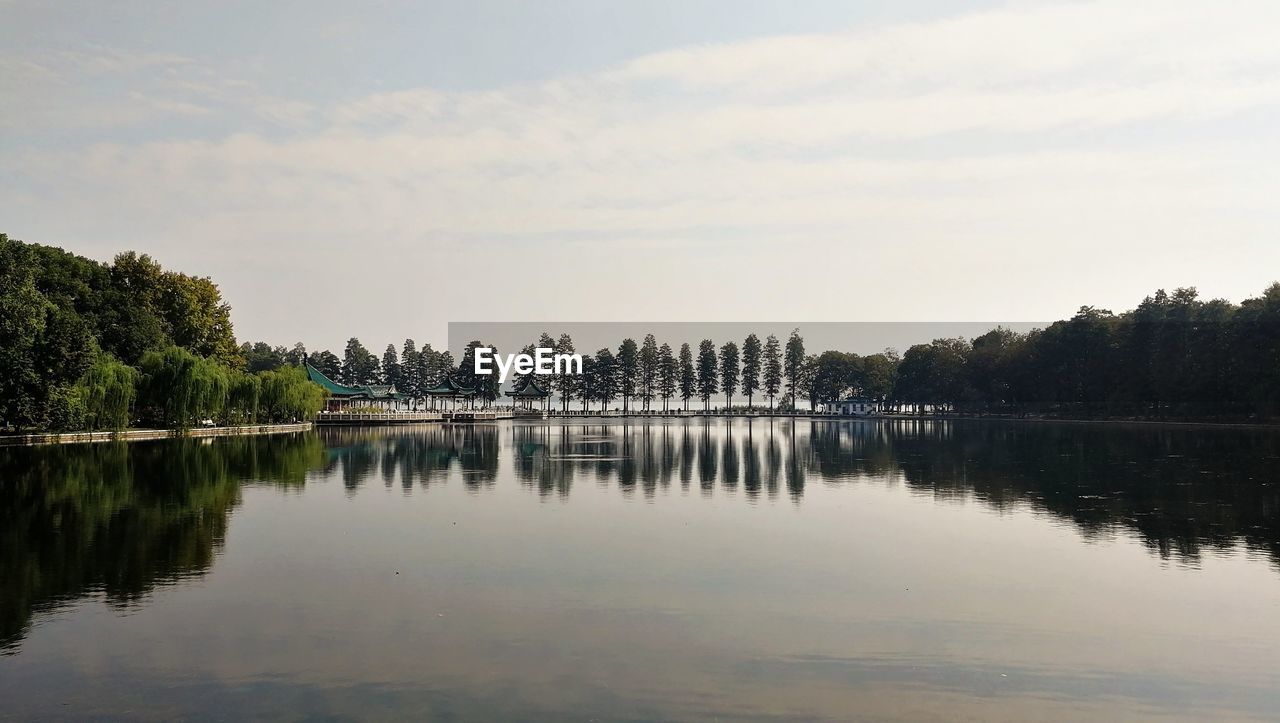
{"x": 90, "y": 345}
{"x": 1174, "y": 356}
{"x": 86, "y": 345}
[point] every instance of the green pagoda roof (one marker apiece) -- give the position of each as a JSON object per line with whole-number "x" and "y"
{"x": 341, "y": 390}
{"x": 527, "y": 388}
{"x": 449, "y": 388}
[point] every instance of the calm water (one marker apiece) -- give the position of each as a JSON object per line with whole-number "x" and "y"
{"x": 692, "y": 570}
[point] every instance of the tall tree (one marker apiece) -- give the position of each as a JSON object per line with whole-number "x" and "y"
{"x": 566, "y": 384}
{"x": 391, "y": 366}
{"x": 410, "y": 370}
{"x": 668, "y": 375}
{"x": 688, "y": 379}
{"x": 628, "y": 371}
{"x": 707, "y": 372}
{"x": 359, "y": 367}
{"x": 793, "y": 362}
{"x": 296, "y": 354}
{"x": 649, "y": 360}
{"x": 22, "y": 321}
{"x": 261, "y": 356}
{"x": 730, "y": 369}
{"x": 751, "y": 359}
{"x": 327, "y": 363}
{"x": 606, "y": 380}
{"x": 772, "y": 368}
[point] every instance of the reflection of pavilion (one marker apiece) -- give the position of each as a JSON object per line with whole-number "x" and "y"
{"x": 527, "y": 395}
{"x": 450, "y": 390}
{"x": 343, "y": 398}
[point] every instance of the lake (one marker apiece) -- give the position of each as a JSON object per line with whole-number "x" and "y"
{"x": 687, "y": 569}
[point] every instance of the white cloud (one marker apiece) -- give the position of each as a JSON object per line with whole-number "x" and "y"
{"x": 1079, "y": 128}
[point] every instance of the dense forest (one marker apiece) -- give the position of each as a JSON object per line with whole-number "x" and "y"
{"x": 86, "y": 345}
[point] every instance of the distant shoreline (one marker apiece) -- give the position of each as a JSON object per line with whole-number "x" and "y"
{"x": 138, "y": 435}
{"x": 913, "y": 417}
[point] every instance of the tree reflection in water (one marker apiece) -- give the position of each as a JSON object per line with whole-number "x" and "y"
{"x": 119, "y": 520}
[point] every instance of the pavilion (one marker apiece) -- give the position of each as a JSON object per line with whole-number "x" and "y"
{"x": 343, "y": 398}
{"x": 447, "y": 388}
{"x": 526, "y": 392}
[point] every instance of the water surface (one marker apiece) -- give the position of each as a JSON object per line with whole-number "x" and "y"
{"x": 690, "y": 569}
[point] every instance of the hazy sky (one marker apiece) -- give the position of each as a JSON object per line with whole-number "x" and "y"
{"x": 379, "y": 169}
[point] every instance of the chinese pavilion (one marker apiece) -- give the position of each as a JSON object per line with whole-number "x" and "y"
{"x": 343, "y": 398}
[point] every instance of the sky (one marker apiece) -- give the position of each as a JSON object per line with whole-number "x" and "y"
{"x": 381, "y": 169}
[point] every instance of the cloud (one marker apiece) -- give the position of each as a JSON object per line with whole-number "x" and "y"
{"x": 1089, "y": 128}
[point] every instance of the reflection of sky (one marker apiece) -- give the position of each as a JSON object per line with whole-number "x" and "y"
{"x": 866, "y": 598}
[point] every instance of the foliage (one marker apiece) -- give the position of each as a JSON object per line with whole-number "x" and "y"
{"x": 751, "y": 359}
{"x": 668, "y": 374}
{"x": 287, "y": 395}
{"x": 649, "y": 361}
{"x": 688, "y": 378}
{"x": 707, "y": 371}
{"x": 793, "y": 361}
{"x": 730, "y": 369}
{"x": 107, "y": 390}
{"x": 772, "y": 368}
{"x": 180, "y": 389}
{"x": 59, "y": 313}
{"x": 359, "y": 367}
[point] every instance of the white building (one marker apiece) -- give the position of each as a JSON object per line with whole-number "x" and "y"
{"x": 852, "y": 407}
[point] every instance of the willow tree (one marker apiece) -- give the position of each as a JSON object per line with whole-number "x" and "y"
{"x": 180, "y": 389}
{"x": 244, "y": 397}
{"x": 288, "y": 395}
{"x": 108, "y": 390}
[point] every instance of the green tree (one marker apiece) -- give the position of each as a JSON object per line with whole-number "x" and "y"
{"x": 410, "y": 370}
{"x": 688, "y": 378}
{"x": 707, "y": 372}
{"x": 606, "y": 382}
{"x": 261, "y": 356}
{"x": 179, "y": 389}
{"x": 668, "y": 374}
{"x": 197, "y": 318}
{"x": 287, "y": 395}
{"x": 793, "y": 363}
{"x": 878, "y": 374}
{"x": 391, "y": 373}
{"x": 133, "y": 323}
{"x": 359, "y": 367}
{"x": 649, "y": 361}
{"x": 751, "y": 359}
{"x": 772, "y": 368}
{"x": 244, "y": 398}
{"x": 567, "y": 385}
{"x": 628, "y": 371}
{"x": 730, "y": 370}
{"x": 836, "y": 375}
{"x": 109, "y": 389}
{"x": 328, "y": 364}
